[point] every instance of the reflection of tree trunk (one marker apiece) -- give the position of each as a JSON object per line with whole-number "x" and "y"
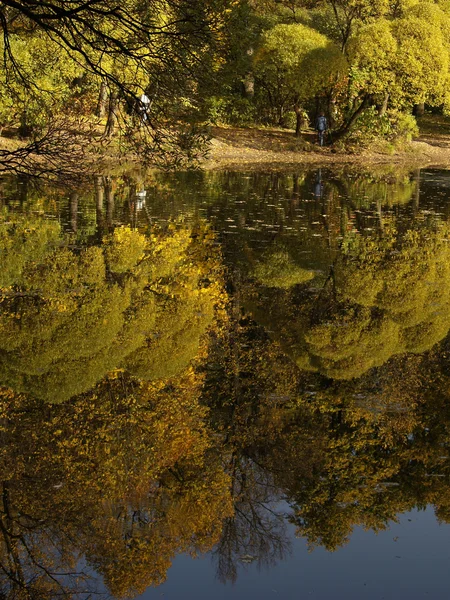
{"x": 100, "y": 110}
{"x": 23, "y": 190}
{"x": 99, "y": 194}
{"x": 380, "y": 215}
{"x": 132, "y": 202}
{"x": 326, "y": 214}
{"x": 336, "y": 418}
{"x": 344, "y": 222}
{"x": 73, "y": 207}
{"x": 295, "y": 186}
{"x": 109, "y": 194}
{"x": 112, "y": 113}
{"x": 417, "y": 194}
{"x": 15, "y": 570}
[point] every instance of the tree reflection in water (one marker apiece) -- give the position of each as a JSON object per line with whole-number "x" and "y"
{"x": 145, "y": 413}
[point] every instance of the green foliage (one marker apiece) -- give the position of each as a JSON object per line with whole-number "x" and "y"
{"x": 296, "y": 63}
{"x": 372, "y": 55}
{"x": 124, "y": 250}
{"x": 42, "y": 62}
{"x": 393, "y": 126}
{"x": 229, "y": 110}
{"x": 402, "y": 61}
{"x": 23, "y": 241}
{"x": 72, "y": 317}
{"x": 277, "y": 269}
{"x": 387, "y": 294}
{"x": 422, "y": 62}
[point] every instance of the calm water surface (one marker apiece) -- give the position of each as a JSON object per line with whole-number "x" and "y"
{"x": 226, "y": 385}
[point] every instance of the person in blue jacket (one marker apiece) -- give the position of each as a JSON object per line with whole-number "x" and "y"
{"x": 321, "y": 127}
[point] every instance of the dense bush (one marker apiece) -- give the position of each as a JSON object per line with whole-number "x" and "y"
{"x": 394, "y": 127}
{"x": 229, "y": 110}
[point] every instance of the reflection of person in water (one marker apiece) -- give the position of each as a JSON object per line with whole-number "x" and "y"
{"x": 318, "y": 186}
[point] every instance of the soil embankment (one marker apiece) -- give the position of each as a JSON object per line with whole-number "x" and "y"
{"x": 239, "y": 148}
{"x": 232, "y": 148}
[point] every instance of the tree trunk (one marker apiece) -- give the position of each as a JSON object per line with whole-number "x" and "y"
{"x": 100, "y": 110}
{"x": 24, "y": 128}
{"x": 346, "y": 127}
{"x": 112, "y": 114}
{"x": 73, "y": 206}
{"x": 419, "y": 109}
{"x": 298, "y": 120}
{"x": 295, "y": 187}
{"x": 249, "y": 85}
{"x": 280, "y": 115}
{"x": 383, "y": 108}
{"x": 380, "y": 216}
{"x": 332, "y": 111}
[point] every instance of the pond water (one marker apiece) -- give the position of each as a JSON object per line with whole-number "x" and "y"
{"x": 226, "y": 384}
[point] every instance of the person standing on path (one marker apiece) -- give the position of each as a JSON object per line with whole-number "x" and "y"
{"x": 321, "y": 127}
{"x": 143, "y": 107}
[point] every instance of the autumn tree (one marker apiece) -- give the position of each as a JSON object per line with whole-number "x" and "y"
{"x": 161, "y": 48}
{"x": 341, "y": 453}
{"x": 68, "y": 318}
{"x": 294, "y": 64}
{"x": 385, "y": 295}
{"x": 123, "y": 477}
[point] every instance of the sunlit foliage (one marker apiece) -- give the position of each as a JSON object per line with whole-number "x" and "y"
{"x": 69, "y": 317}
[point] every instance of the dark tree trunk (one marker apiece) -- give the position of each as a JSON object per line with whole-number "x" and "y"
{"x": 100, "y": 110}
{"x": 318, "y": 108}
{"x": 24, "y": 128}
{"x": 383, "y": 107}
{"x": 419, "y": 109}
{"x": 280, "y": 115}
{"x": 298, "y": 120}
{"x": 112, "y": 114}
{"x": 347, "y": 125}
{"x": 73, "y": 206}
{"x": 331, "y": 106}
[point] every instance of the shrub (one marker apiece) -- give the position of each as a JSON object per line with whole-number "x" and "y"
{"x": 393, "y": 127}
{"x": 229, "y": 110}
